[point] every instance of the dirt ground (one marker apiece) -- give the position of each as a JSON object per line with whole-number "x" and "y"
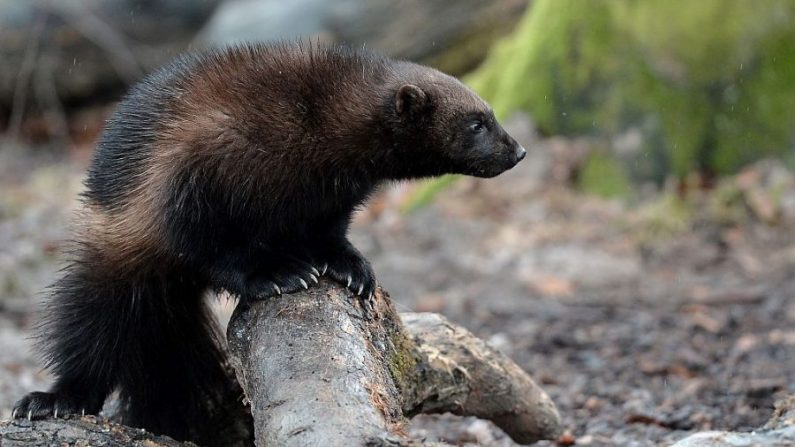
{"x": 639, "y": 341}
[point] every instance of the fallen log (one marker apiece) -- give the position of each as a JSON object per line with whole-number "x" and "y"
{"x": 317, "y": 371}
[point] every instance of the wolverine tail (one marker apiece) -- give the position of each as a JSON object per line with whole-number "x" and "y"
{"x": 150, "y": 336}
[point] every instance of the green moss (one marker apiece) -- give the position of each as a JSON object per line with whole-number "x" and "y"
{"x": 426, "y": 191}
{"x": 602, "y": 175}
{"x": 403, "y": 363}
{"x": 551, "y": 54}
{"x": 666, "y": 217}
{"x": 727, "y": 204}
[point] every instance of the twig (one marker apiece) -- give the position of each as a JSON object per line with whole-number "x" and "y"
{"x": 101, "y": 34}
{"x": 23, "y": 78}
{"x": 47, "y": 97}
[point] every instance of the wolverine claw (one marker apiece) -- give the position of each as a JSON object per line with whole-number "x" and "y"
{"x": 290, "y": 277}
{"x": 348, "y": 268}
{"x": 325, "y": 268}
{"x": 58, "y": 404}
{"x": 14, "y": 414}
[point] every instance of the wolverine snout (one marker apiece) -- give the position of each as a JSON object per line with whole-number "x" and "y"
{"x": 520, "y": 153}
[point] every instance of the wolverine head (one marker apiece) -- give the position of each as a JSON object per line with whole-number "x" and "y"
{"x": 446, "y": 128}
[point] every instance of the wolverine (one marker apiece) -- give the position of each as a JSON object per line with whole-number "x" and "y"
{"x": 236, "y": 170}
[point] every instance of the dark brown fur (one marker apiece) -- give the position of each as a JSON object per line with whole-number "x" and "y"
{"x": 236, "y": 170}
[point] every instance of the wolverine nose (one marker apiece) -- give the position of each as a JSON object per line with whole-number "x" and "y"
{"x": 520, "y": 153}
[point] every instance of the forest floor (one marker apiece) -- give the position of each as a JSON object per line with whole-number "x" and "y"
{"x": 643, "y": 324}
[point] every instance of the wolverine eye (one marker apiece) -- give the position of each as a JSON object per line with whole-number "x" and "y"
{"x": 477, "y": 127}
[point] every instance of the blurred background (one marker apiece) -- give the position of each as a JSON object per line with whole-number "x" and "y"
{"x": 639, "y": 263}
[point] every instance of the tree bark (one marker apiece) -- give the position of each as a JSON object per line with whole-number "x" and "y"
{"x": 78, "y": 431}
{"x": 316, "y": 371}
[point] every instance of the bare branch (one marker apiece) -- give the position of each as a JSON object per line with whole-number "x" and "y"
{"x": 23, "y": 78}
{"x": 101, "y": 34}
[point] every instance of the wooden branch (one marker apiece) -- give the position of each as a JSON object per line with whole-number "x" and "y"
{"x": 317, "y": 373}
{"x": 22, "y": 84}
{"x": 104, "y": 36}
{"x": 459, "y": 373}
{"x": 78, "y": 431}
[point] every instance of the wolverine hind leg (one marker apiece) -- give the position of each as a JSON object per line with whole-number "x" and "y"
{"x": 150, "y": 336}
{"x": 80, "y": 339}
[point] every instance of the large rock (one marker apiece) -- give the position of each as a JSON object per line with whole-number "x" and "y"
{"x": 779, "y": 432}
{"x": 453, "y": 35}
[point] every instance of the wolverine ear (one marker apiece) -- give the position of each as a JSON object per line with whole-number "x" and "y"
{"x": 410, "y": 99}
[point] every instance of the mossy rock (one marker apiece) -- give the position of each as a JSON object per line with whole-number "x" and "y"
{"x": 711, "y": 83}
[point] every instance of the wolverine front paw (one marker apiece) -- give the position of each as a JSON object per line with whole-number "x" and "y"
{"x": 39, "y": 405}
{"x": 290, "y": 277}
{"x": 352, "y": 270}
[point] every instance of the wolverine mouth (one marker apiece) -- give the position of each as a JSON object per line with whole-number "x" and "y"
{"x": 497, "y": 165}
{"x": 491, "y": 170}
